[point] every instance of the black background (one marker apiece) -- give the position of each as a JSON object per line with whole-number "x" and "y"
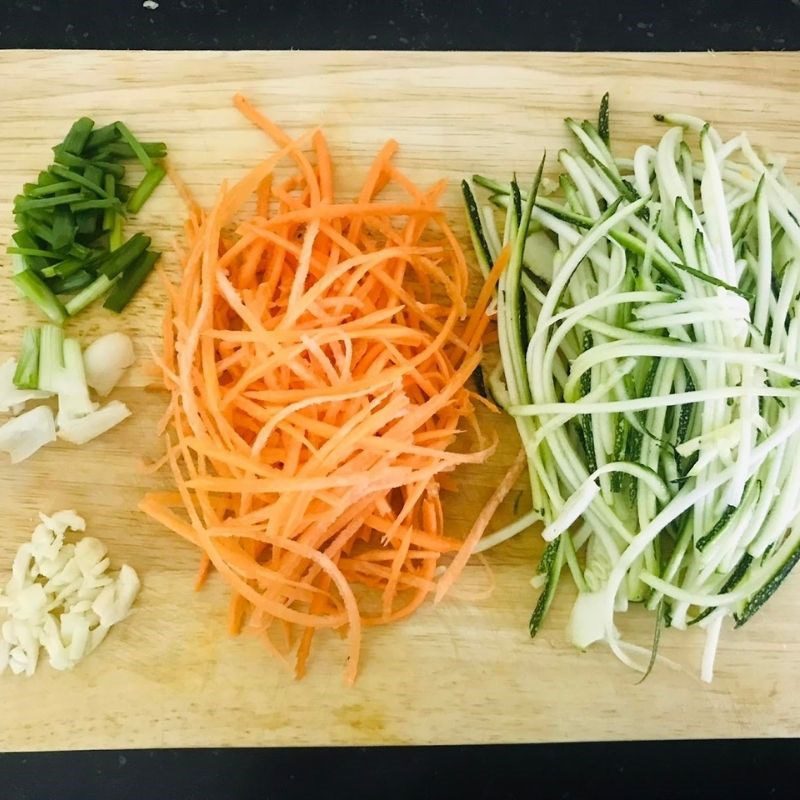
{"x": 644, "y": 770}
{"x": 403, "y": 24}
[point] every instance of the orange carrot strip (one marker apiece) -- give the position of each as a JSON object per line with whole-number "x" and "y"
{"x": 316, "y": 353}
{"x": 479, "y": 527}
{"x": 202, "y": 572}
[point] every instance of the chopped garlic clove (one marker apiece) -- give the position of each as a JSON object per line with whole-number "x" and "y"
{"x": 19, "y": 662}
{"x": 61, "y": 571}
{"x": 114, "y": 602}
{"x": 44, "y": 543}
{"x": 100, "y": 568}
{"x": 75, "y": 634}
{"x": 91, "y": 588}
{"x": 70, "y": 614}
{"x": 26, "y": 651}
{"x": 9, "y": 634}
{"x": 50, "y": 639}
{"x": 129, "y": 584}
{"x": 20, "y": 570}
{"x": 89, "y": 553}
{"x": 57, "y": 654}
{"x": 62, "y": 521}
{"x": 62, "y": 597}
{"x": 31, "y": 602}
{"x": 81, "y": 607}
{"x": 97, "y": 637}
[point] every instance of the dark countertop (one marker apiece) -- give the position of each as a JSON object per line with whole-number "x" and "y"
{"x": 403, "y": 24}
{"x": 668, "y": 770}
{"x": 643, "y": 770}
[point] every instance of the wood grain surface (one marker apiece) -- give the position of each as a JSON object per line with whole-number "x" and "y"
{"x": 457, "y": 672}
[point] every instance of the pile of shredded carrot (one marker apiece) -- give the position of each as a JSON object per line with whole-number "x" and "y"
{"x": 318, "y": 355}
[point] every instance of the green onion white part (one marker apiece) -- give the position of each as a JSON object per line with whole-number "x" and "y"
{"x": 650, "y": 355}
{"x": 51, "y": 365}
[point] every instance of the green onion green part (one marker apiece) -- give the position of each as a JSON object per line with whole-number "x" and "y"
{"x": 71, "y": 238}
{"x": 78, "y": 135}
{"x": 147, "y": 186}
{"x": 130, "y": 282}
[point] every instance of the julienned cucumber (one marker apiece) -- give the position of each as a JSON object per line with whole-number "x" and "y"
{"x": 650, "y": 350}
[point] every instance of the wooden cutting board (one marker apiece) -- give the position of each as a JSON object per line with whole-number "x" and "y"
{"x": 457, "y": 672}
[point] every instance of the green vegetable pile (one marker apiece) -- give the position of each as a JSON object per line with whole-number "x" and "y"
{"x": 649, "y": 328}
{"x": 69, "y": 248}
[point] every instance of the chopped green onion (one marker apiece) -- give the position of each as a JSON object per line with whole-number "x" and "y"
{"x": 94, "y": 174}
{"x": 63, "y": 228}
{"x": 115, "y": 240}
{"x": 78, "y": 135}
{"x": 80, "y": 251}
{"x": 130, "y": 282}
{"x": 109, "y": 184}
{"x": 71, "y": 175}
{"x": 95, "y": 205}
{"x": 70, "y": 160}
{"x": 36, "y": 290}
{"x": 26, "y": 375}
{"x": 32, "y": 252}
{"x": 24, "y": 239}
{"x": 150, "y": 181}
{"x": 51, "y": 357}
{"x": 123, "y": 191}
{"x": 125, "y": 255}
{"x": 29, "y": 249}
{"x": 71, "y": 283}
{"x": 30, "y": 226}
{"x": 71, "y": 220}
{"x": 110, "y": 168}
{"x": 87, "y": 296}
{"x": 52, "y": 188}
{"x": 46, "y": 178}
{"x": 101, "y": 136}
{"x": 124, "y": 150}
{"x": 24, "y": 204}
{"x": 26, "y": 218}
{"x": 63, "y": 269}
{"x": 86, "y": 220}
{"x": 61, "y": 370}
{"x": 136, "y": 146}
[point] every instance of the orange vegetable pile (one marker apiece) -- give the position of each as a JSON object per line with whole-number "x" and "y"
{"x": 317, "y": 354}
